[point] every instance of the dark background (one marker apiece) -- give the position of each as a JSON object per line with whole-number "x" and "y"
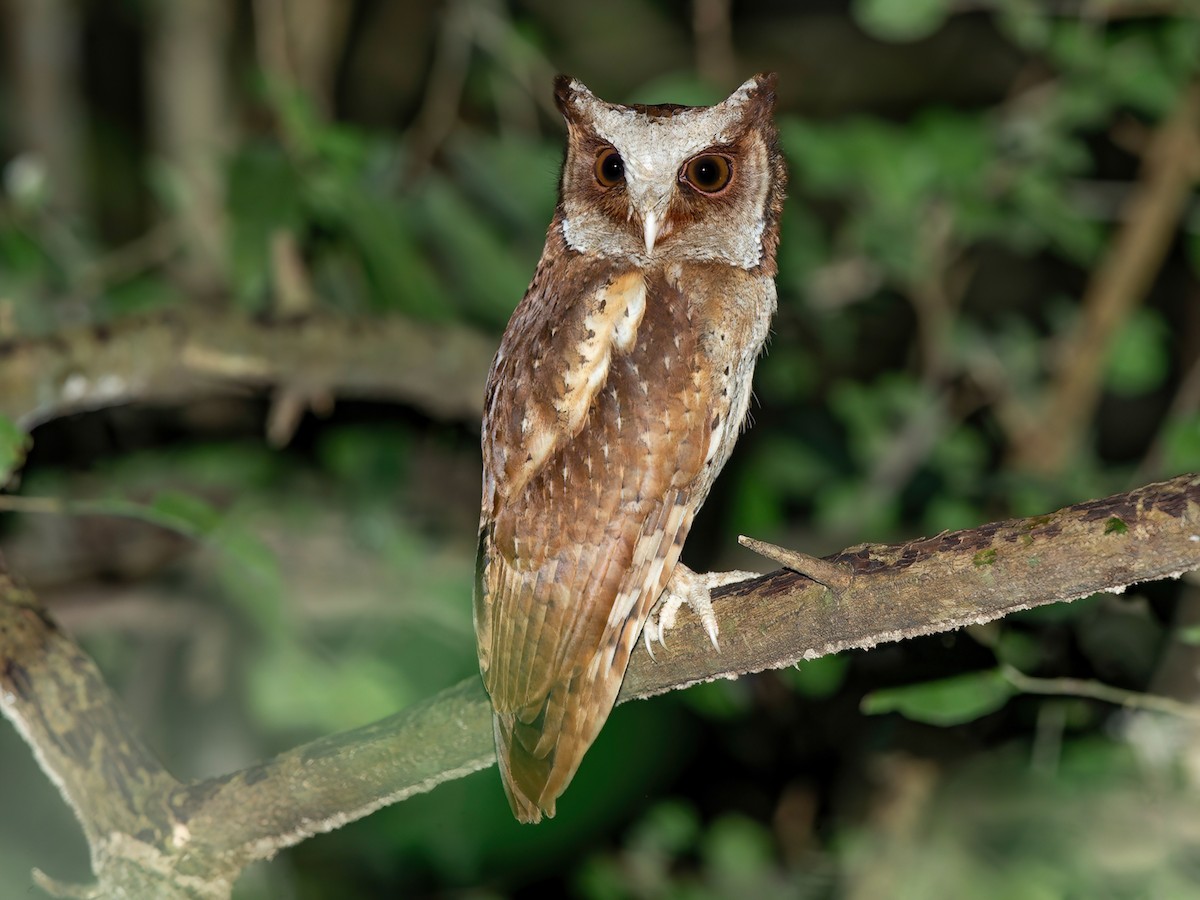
{"x": 960, "y": 173}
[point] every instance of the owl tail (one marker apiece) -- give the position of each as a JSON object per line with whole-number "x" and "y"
{"x": 540, "y": 747}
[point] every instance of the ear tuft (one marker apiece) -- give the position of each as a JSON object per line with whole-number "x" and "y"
{"x": 567, "y": 90}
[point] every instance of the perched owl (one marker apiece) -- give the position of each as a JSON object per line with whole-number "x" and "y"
{"x": 614, "y": 400}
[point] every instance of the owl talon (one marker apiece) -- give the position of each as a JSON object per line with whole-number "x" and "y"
{"x": 648, "y": 637}
{"x": 693, "y": 589}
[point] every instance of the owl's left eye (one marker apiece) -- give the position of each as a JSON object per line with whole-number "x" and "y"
{"x": 610, "y": 168}
{"x": 709, "y": 174}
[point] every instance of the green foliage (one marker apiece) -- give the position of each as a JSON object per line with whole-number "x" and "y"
{"x": 1139, "y": 360}
{"x": 818, "y": 678}
{"x": 901, "y": 20}
{"x": 14, "y": 444}
{"x": 734, "y": 856}
{"x": 1181, "y": 444}
{"x": 289, "y": 689}
{"x": 948, "y": 701}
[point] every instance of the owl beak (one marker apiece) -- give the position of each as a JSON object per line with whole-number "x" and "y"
{"x": 651, "y": 224}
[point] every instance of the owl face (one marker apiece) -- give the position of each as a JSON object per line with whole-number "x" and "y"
{"x": 669, "y": 183}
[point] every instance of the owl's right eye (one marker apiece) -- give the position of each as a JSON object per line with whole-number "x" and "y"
{"x": 610, "y": 168}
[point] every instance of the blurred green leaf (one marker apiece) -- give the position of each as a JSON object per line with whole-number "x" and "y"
{"x": 669, "y": 828}
{"x": 374, "y": 457}
{"x": 515, "y": 179}
{"x": 291, "y": 689}
{"x": 1189, "y": 635}
{"x": 137, "y": 295}
{"x": 737, "y": 847}
{"x": 949, "y": 701}
{"x": 601, "y": 878}
{"x": 249, "y": 572}
{"x": 1017, "y": 649}
{"x": 387, "y": 236}
{"x": 757, "y": 505}
{"x": 947, "y": 512}
{"x": 901, "y": 20}
{"x": 14, "y": 444}
{"x": 1146, "y": 85}
{"x": 719, "y": 699}
{"x": 265, "y": 196}
{"x": 818, "y": 678}
{"x": 184, "y": 513}
{"x": 495, "y": 279}
{"x": 1181, "y": 445}
{"x": 1026, "y": 22}
{"x": 1039, "y": 198}
{"x": 1138, "y": 360}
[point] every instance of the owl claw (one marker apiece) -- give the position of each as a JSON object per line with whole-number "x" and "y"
{"x": 688, "y": 587}
{"x": 647, "y": 636}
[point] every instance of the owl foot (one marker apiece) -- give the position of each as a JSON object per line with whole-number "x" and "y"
{"x": 693, "y": 589}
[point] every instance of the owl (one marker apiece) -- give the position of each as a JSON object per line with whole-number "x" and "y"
{"x": 616, "y": 396}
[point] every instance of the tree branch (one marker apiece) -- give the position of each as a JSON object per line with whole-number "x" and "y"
{"x": 439, "y": 368}
{"x": 139, "y": 820}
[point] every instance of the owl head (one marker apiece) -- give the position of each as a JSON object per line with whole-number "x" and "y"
{"x": 673, "y": 183}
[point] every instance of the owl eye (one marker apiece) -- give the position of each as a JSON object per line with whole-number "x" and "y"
{"x": 610, "y": 168}
{"x": 708, "y": 174}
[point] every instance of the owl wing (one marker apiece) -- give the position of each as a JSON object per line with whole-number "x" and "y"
{"x": 594, "y": 435}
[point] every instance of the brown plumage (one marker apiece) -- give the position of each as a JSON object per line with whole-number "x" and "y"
{"x": 615, "y": 398}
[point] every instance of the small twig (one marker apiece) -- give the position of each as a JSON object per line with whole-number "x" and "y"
{"x": 834, "y": 576}
{"x": 42, "y": 505}
{"x": 1095, "y": 690}
{"x": 56, "y": 888}
{"x": 293, "y": 293}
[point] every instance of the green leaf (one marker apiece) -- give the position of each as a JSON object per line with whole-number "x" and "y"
{"x": 290, "y": 688}
{"x": 248, "y": 570}
{"x": 1139, "y": 359}
{"x": 737, "y": 847}
{"x": 818, "y": 678}
{"x": 264, "y": 197}
{"x": 184, "y": 513}
{"x": 950, "y": 701}
{"x": 1018, "y": 649}
{"x": 900, "y": 20}
{"x": 14, "y": 444}
{"x": 951, "y": 513}
{"x": 1189, "y": 635}
{"x": 1025, "y": 23}
{"x": 718, "y": 700}
{"x": 497, "y": 277}
{"x": 1181, "y": 445}
{"x": 669, "y": 828}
